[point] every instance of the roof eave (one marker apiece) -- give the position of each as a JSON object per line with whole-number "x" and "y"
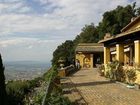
{"x": 131, "y": 23}
{"x": 119, "y": 35}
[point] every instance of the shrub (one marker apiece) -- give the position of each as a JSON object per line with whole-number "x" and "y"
{"x": 101, "y": 69}
{"x": 56, "y": 98}
{"x": 16, "y": 91}
{"x": 37, "y": 99}
{"x": 119, "y": 72}
{"x": 114, "y": 71}
{"x": 131, "y": 75}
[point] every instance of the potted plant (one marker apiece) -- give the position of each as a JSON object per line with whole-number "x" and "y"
{"x": 101, "y": 69}
{"x": 131, "y": 77}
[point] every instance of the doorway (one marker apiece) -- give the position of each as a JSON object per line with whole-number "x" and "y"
{"x": 97, "y": 59}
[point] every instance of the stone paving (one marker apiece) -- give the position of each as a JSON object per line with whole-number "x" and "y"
{"x": 86, "y": 87}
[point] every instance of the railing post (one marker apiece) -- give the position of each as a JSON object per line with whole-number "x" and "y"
{"x": 47, "y": 90}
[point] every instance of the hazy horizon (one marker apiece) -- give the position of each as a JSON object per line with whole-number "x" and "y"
{"x": 25, "y": 70}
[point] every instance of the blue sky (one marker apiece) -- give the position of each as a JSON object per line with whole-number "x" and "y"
{"x": 32, "y": 29}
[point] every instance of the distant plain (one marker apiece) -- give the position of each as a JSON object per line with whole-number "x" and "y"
{"x": 24, "y": 70}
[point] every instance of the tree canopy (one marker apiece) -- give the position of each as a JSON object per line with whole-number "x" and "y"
{"x": 64, "y": 51}
{"x": 113, "y": 21}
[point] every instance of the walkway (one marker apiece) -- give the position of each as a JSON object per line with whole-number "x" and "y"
{"x": 86, "y": 87}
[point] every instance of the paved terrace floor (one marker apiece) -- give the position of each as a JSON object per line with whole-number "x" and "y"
{"x": 86, "y": 87}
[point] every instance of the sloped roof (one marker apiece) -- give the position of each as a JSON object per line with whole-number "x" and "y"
{"x": 124, "y": 31}
{"x": 119, "y": 35}
{"x": 89, "y": 47}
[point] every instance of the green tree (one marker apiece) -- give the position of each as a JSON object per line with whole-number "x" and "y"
{"x": 16, "y": 90}
{"x": 138, "y": 11}
{"x": 88, "y": 35}
{"x": 113, "y": 21}
{"x": 64, "y": 51}
{"x": 2, "y": 84}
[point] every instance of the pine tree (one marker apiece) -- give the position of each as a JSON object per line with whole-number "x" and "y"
{"x": 2, "y": 84}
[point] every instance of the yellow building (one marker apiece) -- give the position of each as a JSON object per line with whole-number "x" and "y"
{"x": 89, "y": 54}
{"x": 124, "y": 47}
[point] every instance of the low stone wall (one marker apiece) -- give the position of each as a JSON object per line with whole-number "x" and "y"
{"x": 66, "y": 71}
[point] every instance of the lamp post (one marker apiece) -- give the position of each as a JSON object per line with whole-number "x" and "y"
{"x": 61, "y": 63}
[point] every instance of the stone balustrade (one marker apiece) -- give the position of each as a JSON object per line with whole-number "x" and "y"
{"x": 63, "y": 72}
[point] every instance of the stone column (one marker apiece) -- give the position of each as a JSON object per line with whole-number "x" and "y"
{"x": 137, "y": 52}
{"x": 131, "y": 54}
{"x": 106, "y": 55}
{"x": 91, "y": 61}
{"x": 120, "y": 52}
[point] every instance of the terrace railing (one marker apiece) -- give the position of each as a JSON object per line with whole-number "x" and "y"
{"x": 48, "y": 90}
{"x": 53, "y": 81}
{"x": 63, "y": 72}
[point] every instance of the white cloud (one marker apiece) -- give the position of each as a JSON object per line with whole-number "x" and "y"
{"x": 14, "y": 7}
{"x": 64, "y": 22}
{"x": 3, "y": 6}
{"x": 24, "y": 9}
{"x": 26, "y": 23}
{"x": 73, "y": 14}
{"x": 30, "y": 47}
{"x": 43, "y": 1}
{"x": 24, "y": 41}
{"x": 11, "y": 1}
{"x": 27, "y": 49}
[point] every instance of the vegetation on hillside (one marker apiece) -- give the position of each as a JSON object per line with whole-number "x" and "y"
{"x": 113, "y": 21}
{"x": 18, "y": 90}
{"x": 65, "y": 51}
{"x": 32, "y": 92}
